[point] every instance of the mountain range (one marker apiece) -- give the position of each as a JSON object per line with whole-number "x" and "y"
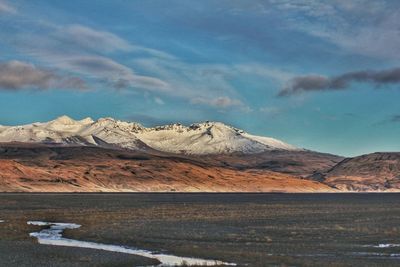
{"x": 110, "y": 155}
{"x": 197, "y": 139}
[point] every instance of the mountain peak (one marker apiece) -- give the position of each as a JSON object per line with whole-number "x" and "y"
{"x": 87, "y": 120}
{"x": 65, "y": 120}
{"x": 199, "y": 138}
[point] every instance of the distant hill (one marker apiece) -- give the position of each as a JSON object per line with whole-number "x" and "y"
{"x": 376, "y": 171}
{"x": 43, "y": 168}
{"x": 112, "y": 155}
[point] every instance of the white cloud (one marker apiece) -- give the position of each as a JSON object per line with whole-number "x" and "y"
{"x": 159, "y": 101}
{"x": 94, "y": 39}
{"x": 103, "y": 41}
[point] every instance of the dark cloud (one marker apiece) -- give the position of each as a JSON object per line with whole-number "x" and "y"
{"x": 395, "y": 118}
{"x": 16, "y": 75}
{"x": 323, "y": 83}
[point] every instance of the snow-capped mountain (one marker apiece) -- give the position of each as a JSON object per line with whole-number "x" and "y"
{"x": 196, "y": 139}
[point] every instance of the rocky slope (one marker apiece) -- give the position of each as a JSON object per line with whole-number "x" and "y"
{"x": 300, "y": 163}
{"x": 372, "y": 172}
{"x": 40, "y": 168}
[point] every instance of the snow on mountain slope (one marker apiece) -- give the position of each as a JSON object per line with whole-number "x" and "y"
{"x": 110, "y": 131}
{"x": 60, "y": 130}
{"x": 207, "y": 138}
{"x": 198, "y": 139}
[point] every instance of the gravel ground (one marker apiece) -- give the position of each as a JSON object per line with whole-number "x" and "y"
{"x": 249, "y": 229}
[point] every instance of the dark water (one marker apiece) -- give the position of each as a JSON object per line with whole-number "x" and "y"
{"x": 250, "y": 229}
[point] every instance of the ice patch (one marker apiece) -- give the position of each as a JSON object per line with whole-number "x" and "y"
{"x": 387, "y": 246}
{"x": 376, "y": 254}
{"x": 1, "y": 221}
{"x": 53, "y": 236}
{"x": 383, "y": 245}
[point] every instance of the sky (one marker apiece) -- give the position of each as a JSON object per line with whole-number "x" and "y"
{"x": 322, "y": 75}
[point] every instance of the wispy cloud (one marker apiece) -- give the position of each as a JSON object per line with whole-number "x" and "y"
{"x": 392, "y": 119}
{"x": 201, "y": 84}
{"x": 94, "y": 39}
{"x": 159, "y": 101}
{"x": 271, "y": 111}
{"x": 84, "y": 51}
{"x": 364, "y": 27}
{"x": 314, "y": 82}
{"x": 115, "y": 74}
{"x": 219, "y": 102}
{"x": 7, "y": 8}
{"x": 102, "y": 41}
{"x": 210, "y": 84}
{"x": 17, "y": 75}
{"x": 395, "y": 118}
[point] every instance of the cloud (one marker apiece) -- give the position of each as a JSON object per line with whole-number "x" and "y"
{"x": 271, "y": 111}
{"x": 364, "y": 27}
{"x": 159, "y": 101}
{"x": 395, "y": 118}
{"x": 210, "y": 84}
{"x": 106, "y": 69}
{"x": 270, "y": 73}
{"x": 99, "y": 40}
{"x": 102, "y": 41}
{"x": 219, "y": 102}
{"x": 7, "y": 8}
{"x": 16, "y": 75}
{"x": 83, "y": 51}
{"x": 77, "y": 39}
{"x": 198, "y": 83}
{"x": 313, "y": 82}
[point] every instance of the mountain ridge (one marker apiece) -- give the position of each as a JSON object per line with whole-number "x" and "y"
{"x": 46, "y": 168}
{"x": 374, "y": 171}
{"x": 197, "y": 139}
{"x": 112, "y": 155}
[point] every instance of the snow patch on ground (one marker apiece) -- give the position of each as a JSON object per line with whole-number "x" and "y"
{"x": 386, "y": 246}
{"x": 376, "y": 254}
{"x": 53, "y": 236}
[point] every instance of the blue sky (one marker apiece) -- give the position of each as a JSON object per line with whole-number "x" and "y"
{"x": 323, "y": 75}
